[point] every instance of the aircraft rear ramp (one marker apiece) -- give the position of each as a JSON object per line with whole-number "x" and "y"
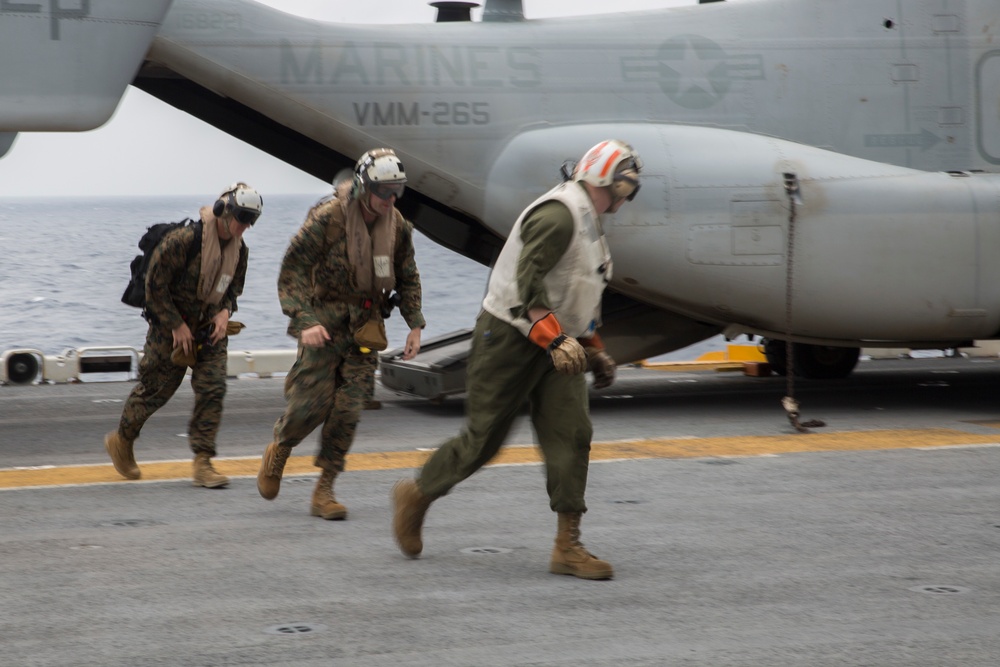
{"x": 439, "y": 369}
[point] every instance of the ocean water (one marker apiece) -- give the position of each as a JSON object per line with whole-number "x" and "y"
{"x": 64, "y": 263}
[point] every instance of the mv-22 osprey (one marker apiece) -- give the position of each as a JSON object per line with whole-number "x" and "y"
{"x": 823, "y": 171}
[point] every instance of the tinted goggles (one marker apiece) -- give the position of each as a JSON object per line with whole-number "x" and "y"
{"x": 246, "y": 216}
{"x": 632, "y": 179}
{"x": 387, "y": 190}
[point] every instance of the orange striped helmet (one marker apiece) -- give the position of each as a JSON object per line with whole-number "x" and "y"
{"x": 611, "y": 163}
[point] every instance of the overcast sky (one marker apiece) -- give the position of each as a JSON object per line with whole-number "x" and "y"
{"x": 150, "y": 148}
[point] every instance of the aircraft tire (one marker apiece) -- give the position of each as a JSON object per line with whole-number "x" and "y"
{"x": 777, "y": 357}
{"x": 822, "y": 362}
{"x": 814, "y": 362}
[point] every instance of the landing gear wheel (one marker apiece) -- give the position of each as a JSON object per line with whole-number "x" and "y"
{"x": 816, "y": 362}
{"x": 777, "y": 359}
{"x": 822, "y": 362}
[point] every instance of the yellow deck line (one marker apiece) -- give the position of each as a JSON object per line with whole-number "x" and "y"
{"x": 691, "y": 366}
{"x": 670, "y": 448}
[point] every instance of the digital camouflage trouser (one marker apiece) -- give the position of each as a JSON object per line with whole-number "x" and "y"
{"x": 505, "y": 370}
{"x": 326, "y": 386}
{"x": 159, "y": 378}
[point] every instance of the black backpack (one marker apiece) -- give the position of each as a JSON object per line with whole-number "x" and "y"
{"x": 135, "y": 293}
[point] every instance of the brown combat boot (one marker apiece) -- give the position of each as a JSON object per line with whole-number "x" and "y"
{"x": 410, "y": 507}
{"x": 122, "y": 456}
{"x": 272, "y": 464}
{"x": 323, "y": 502}
{"x": 569, "y": 556}
{"x": 204, "y": 474}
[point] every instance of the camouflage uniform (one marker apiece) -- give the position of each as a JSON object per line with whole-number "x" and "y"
{"x": 330, "y": 385}
{"x": 171, "y": 299}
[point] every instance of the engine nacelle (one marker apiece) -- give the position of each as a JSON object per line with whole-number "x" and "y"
{"x": 879, "y": 253}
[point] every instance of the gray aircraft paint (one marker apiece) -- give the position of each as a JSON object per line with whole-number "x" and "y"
{"x": 6, "y": 141}
{"x": 693, "y": 71}
{"x": 66, "y": 64}
{"x": 53, "y": 9}
{"x": 685, "y": 65}
{"x": 397, "y": 65}
{"x": 865, "y": 104}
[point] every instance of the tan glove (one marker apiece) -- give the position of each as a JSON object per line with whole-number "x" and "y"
{"x": 566, "y": 353}
{"x": 234, "y": 328}
{"x": 568, "y": 356}
{"x": 602, "y": 366}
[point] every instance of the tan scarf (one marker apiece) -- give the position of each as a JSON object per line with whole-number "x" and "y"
{"x": 370, "y": 253}
{"x": 218, "y": 264}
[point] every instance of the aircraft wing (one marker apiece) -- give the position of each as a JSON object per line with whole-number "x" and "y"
{"x": 6, "y": 141}
{"x": 65, "y": 68}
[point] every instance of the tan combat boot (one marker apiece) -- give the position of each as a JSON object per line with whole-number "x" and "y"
{"x": 122, "y": 456}
{"x": 410, "y": 507}
{"x": 323, "y": 502}
{"x": 569, "y": 556}
{"x": 205, "y": 475}
{"x": 272, "y": 464}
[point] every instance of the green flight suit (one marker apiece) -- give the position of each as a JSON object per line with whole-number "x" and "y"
{"x": 506, "y": 369}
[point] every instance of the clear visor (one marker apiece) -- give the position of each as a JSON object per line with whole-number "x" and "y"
{"x": 387, "y": 190}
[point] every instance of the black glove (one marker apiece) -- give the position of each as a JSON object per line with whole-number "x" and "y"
{"x": 602, "y": 366}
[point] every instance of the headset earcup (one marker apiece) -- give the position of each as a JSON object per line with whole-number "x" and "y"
{"x": 219, "y": 208}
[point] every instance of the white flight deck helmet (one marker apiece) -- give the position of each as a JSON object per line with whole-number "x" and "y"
{"x": 380, "y": 172}
{"x": 613, "y": 164}
{"x": 240, "y": 201}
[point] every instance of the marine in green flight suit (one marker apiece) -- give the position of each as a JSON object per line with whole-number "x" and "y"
{"x": 534, "y": 339}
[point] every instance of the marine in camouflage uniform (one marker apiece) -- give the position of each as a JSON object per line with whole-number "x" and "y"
{"x": 333, "y": 377}
{"x": 179, "y": 319}
{"x": 534, "y": 339}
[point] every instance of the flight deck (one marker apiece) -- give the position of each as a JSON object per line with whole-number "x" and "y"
{"x": 735, "y": 539}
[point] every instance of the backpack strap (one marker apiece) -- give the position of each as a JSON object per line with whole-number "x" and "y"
{"x": 195, "y": 246}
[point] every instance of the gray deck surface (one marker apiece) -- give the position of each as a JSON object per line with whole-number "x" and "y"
{"x": 873, "y": 557}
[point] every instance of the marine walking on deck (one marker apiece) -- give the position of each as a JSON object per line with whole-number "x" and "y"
{"x": 195, "y": 275}
{"x": 336, "y": 286}
{"x": 533, "y": 341}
